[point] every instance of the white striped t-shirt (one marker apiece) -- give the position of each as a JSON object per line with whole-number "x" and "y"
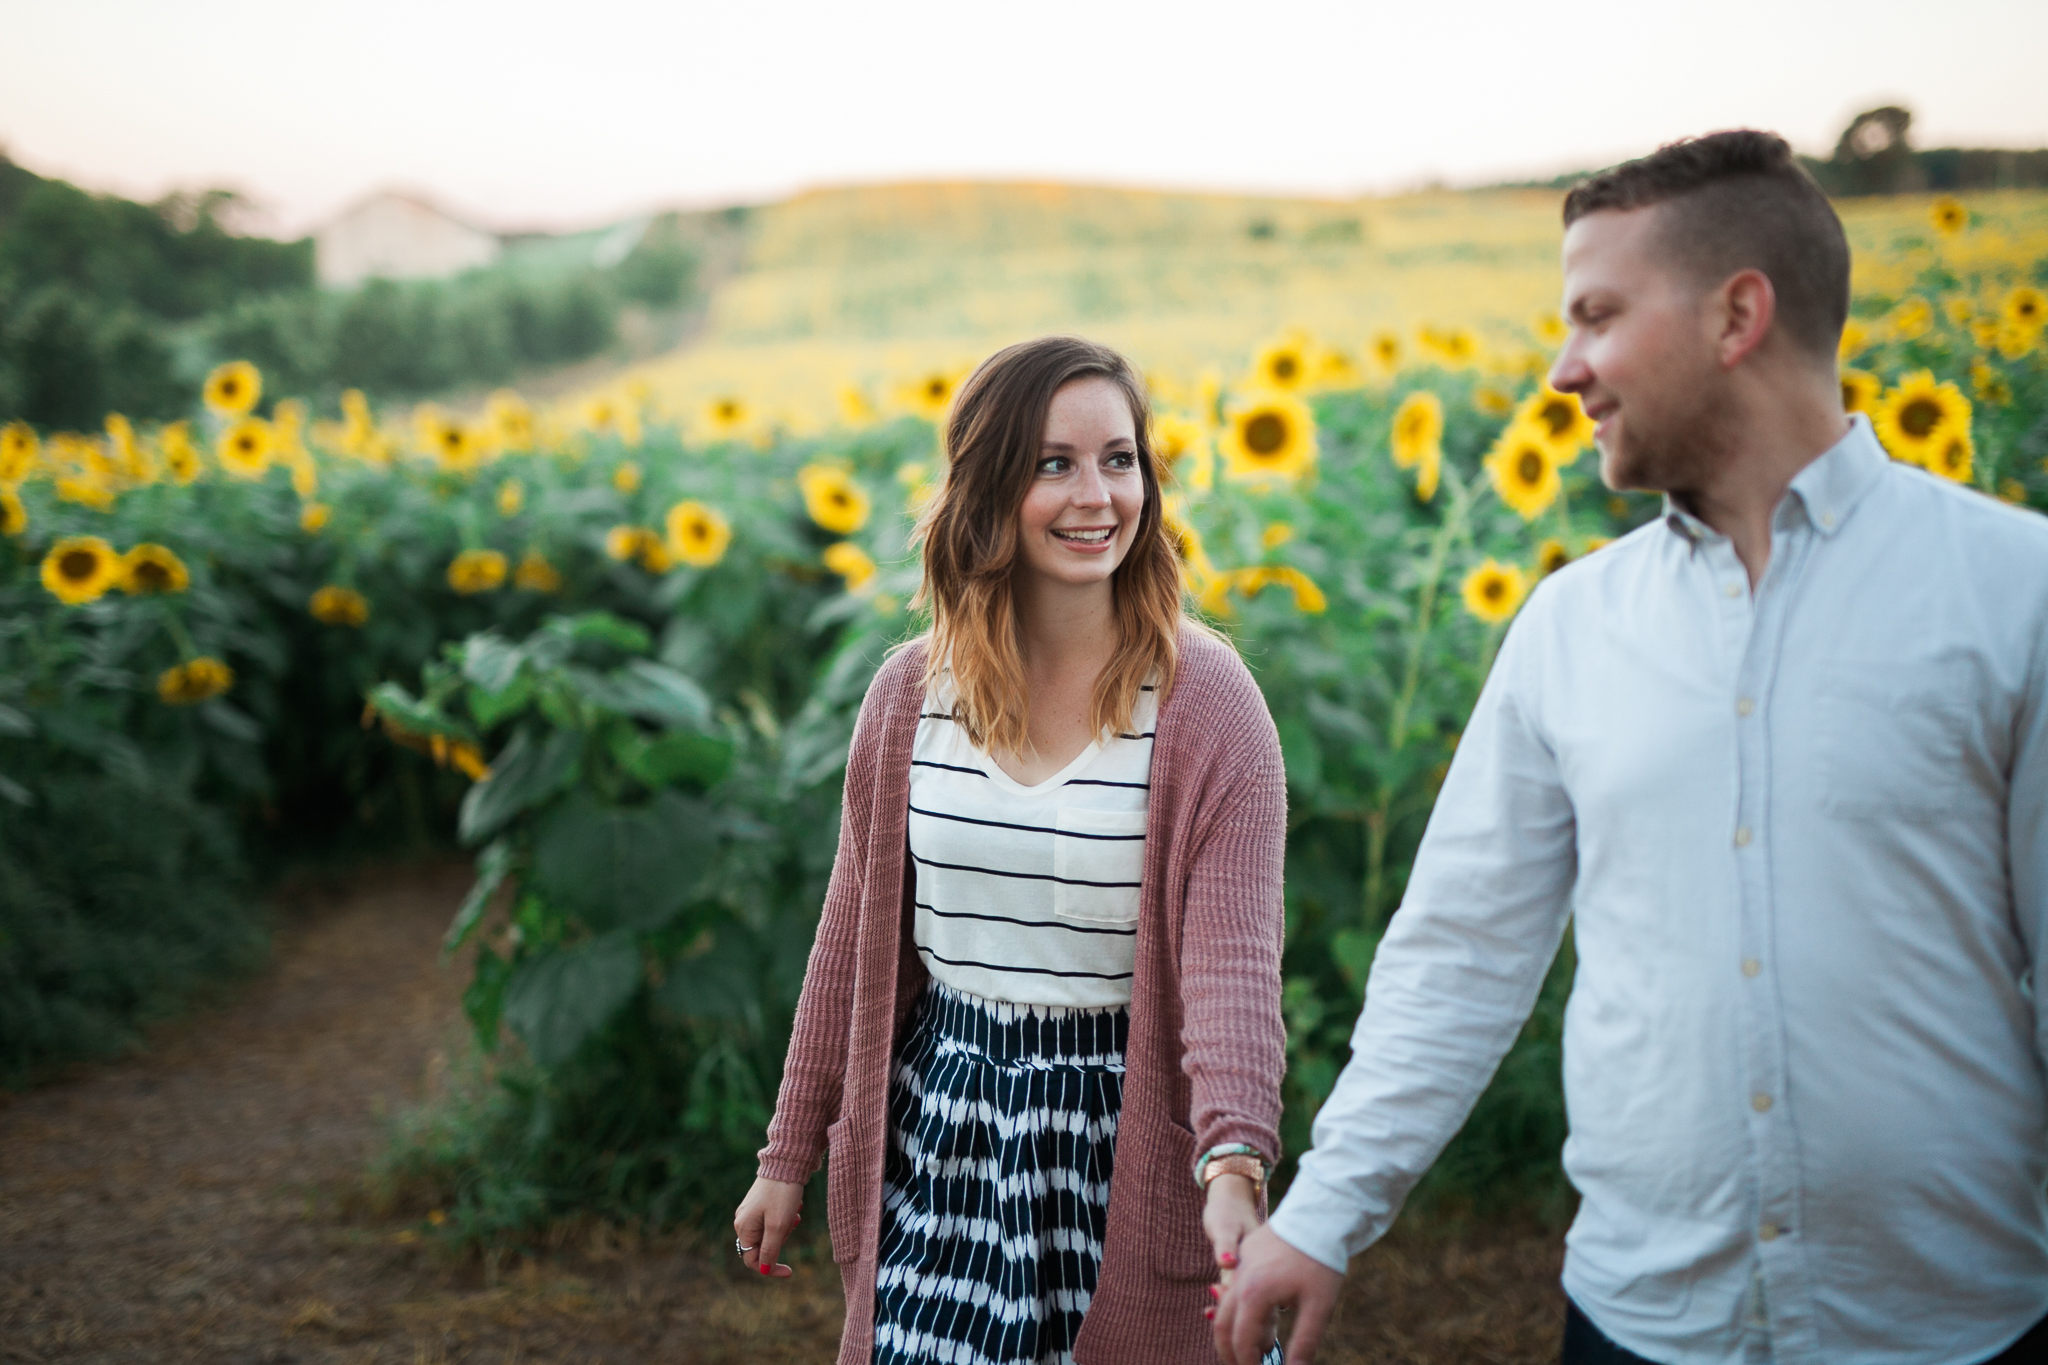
{"x": 1030, "y": 894}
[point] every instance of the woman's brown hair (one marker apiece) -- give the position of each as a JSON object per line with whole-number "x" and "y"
{"x": 968, "y": 532}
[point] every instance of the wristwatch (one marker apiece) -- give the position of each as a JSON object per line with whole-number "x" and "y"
{"x": 1232, "y": 1159}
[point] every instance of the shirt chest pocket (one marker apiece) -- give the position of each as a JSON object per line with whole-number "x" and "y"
{"x": 1892, "y": 738}
{"x": 1098, "y": 865}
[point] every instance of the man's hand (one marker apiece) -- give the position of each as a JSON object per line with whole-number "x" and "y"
{"x": 1271, "y": 1275}
{"x": 763, "y": 1222}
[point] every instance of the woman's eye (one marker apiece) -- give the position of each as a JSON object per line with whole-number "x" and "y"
{"x": 1053, "y": 464}
{"x": 1123, "y": 459}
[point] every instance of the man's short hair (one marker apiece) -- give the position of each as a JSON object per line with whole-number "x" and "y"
{"x": 1738, "y": 201}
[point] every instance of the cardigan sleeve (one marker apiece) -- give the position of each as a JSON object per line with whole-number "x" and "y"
{"x": 814, "y": 1070}
{"x": 1233, "y": 1040}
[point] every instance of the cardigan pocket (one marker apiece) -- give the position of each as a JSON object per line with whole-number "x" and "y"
{"x": 842, "y": 1193}
{"x": 1180, "y": 1248}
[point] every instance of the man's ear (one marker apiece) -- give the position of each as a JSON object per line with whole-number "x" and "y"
{"x": 1748, "y": 306}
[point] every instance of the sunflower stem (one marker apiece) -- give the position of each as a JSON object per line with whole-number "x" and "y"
{"x": 175, "y": 628}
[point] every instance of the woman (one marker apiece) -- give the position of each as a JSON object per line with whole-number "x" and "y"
{"x": 1050, "y": 949}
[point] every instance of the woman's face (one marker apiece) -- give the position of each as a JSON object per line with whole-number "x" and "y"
{"x": 1081, "y": 512}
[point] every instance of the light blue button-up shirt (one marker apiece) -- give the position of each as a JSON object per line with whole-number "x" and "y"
{"x": 1802, "y": 836}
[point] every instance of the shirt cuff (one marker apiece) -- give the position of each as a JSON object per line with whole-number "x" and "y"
{"x": 1318, "y": 1221}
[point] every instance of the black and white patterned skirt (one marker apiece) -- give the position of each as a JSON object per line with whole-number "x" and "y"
{"x": 995, "y": 1194}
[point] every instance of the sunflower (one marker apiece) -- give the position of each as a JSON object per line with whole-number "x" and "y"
{"x": 181, "y": 456}
{"x": 510, "y": 421}
{"x": 88, "y": 491}
{"x": 1283, "y": 364}
{"x": 475, "y": 571}
{"x": 1855, "y": 337}
{"x": 244, "y": 448}
{"x": 455, "y": 447}
{"x": 195, "y": 680}
{"x": 2026, "y": 306}
{"x": 1524, "y": 470}
{"x": 727, "y": 416}
{"x": 1860, "y": 391}
{"x": 1948, "y": 216}
{"x": 1197, "y": 572}
{"x": 80, "y": 568}
{"x": 1273, "y": 436}
{"x": 1385, "y": 350}
{"x": 150, "y": 569}
{"x": 1494, "y": 402}
{"x": 232, "y": 389}
{"x": 1958, "y": 309}
{"x": 851, "y": 563}
{"x": 511, "y": 498}
{"x": 1984, "y": 331}
{"x": 1560, "y": 419}
{"x": 626, "y": 478}
{"x": 314, "y": 516}
{"x": 600, "y": 413}
{"x": 13, "y": 516}
{"x": 1429, "y": 474}
{"x": 1334, "y": 369}
{"x": 1182, "y": 445}
{"x": 1308, "y": 598}
{"x": 855, "y": 408}
{"x": 1418, "y": 428}
{"x": 1454, "y": 348}
{"x": 536, "y": 574}
{"x": 129, "y": 454}
{"x": 1494, "y": 591}
{"x": 697, "y": 535}
{"x": 334, "y": 605}
{"x": 1952, "y": 457}
{"x": 929, "y": 395}
{"x": 915, "y": 475}
{"x": 466, "y": 758}
{"x": 1918, "y": 415}
{"x": 305, "y": 477}
{"x": 1551, "y": 329}
{"x": 1551, "y": 556}
{"x": 1276, "y": 534}
{"x": 2016, "y": 341}
{"x": 833, "y": 499}
{"x": 2013, "y": 491}
{"x": 624, "y": 543}
{"x": 1989, "y": 385}
{"x": 1912, "y": 319}
{"x": 18, "y": 450}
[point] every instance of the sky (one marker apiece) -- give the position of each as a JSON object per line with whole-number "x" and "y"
{"x": 517, "y": 115}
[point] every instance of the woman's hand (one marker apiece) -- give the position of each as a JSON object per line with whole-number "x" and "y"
{"x": 1230, "y": 1215}
{"x": 763, "y": 1222}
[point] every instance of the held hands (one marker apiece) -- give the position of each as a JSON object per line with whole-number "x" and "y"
{"x": 1268, "y": 1276}
{"x": 763, "y": 1222}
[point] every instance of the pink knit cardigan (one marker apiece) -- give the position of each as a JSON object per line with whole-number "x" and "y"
{"x": 1206, "y": 1049}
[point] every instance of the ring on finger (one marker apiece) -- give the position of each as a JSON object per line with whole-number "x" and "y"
{"x": 743, "y": 1250}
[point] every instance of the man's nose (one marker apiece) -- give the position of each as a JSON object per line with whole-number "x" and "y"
{"x": 1570, "y": 373}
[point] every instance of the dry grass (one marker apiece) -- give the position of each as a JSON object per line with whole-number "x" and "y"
{"x": 204, "y": 1203}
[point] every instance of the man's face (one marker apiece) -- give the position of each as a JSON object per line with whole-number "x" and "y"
{"x": 1641, "y": 354}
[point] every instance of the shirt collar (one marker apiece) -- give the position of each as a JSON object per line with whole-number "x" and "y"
{"x": 1828, "y": 489}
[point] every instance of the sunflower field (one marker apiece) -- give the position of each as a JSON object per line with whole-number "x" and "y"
{"x": 615, "y": 647}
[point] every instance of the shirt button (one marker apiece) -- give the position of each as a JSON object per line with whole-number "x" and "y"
{"x": 1827, "y": 519}
{"x": 1750, "y": 966}
{"x": 1742, "y": 837}
{"x": 1760, "y": 1102}
{"x": 1733, "y": 590}
{"x": 1743, "y": 706}
{"x": 1768, "y": 1232}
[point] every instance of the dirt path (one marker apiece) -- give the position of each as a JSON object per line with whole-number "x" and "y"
{"x": 202, "y": 1203}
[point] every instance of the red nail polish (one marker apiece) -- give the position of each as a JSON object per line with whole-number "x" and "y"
{"x": 1216, "y": 1293}
{"x": 764, "y": 1269}
{"x": 1230, "y": 1260}
{"x": 1209, "y": 1313}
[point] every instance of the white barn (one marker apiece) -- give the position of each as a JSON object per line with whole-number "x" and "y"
{"x": 398, "y": 237}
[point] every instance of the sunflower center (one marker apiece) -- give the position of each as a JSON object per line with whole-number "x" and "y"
{"x": 1266, "y": 434}
{"x": 1285, "y": 367}
{"x": 1529, "y": 467}
{"x": 1920, "y": 417}
{"x": 1493, "y": 589}
{"x": 935, "y": 389}
{"x": 152, "y": 575}
{"x": 79, "y": 565}
{"x": 1557, "y": 415}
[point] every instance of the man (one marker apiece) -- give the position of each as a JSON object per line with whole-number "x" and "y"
{"x": 1782, "y": 756}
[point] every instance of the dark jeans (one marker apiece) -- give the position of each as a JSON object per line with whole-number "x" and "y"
{"x": 1585, "y": 1344}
